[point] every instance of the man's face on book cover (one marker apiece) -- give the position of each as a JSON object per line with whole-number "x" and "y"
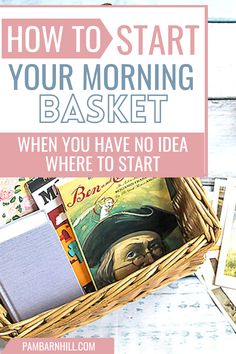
{"x": 136, "y": 252}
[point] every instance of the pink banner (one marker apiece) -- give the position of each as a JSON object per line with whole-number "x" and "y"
{"x": 100, "y": 155}
{"x": 60, "y": 346}
{"x": 54, "y": 38}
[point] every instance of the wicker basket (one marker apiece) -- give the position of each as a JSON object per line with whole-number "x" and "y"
{"x": 200, "y": 228}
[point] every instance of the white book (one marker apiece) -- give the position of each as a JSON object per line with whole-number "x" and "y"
{"x": 35, "y": 274}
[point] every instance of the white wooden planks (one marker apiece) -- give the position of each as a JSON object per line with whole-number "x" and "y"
{"x": 178, "y": 319}
{"x": 217, "y": 9}
{"x": 222, "y": 60}
{"x": 222, "y": 138}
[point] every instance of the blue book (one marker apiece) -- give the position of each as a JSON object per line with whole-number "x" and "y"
{"x": 35, "y": 273}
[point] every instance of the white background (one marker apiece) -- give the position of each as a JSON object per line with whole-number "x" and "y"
{"x": 20, "y": 109}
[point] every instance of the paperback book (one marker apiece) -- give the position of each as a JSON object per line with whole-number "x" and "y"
{"x": 122, "y": 224}
{"x": 15, "y": 200}
{"x": 47, "y": 198}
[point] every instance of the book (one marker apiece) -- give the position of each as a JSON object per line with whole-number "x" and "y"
{"x": 47, "y": 198}
{"x": 15, "y": 200}
{"x": 122, "y": 224}
{"x": 35, "y": 272}
{"x": 226, "y": 270}
{"x": 224, "y": 298}
{"x": 220, "y": 205}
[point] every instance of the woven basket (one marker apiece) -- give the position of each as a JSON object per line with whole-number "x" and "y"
{"x": 200, "y": 228}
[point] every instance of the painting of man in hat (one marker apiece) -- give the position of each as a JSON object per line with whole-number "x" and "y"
{"x": 128, "y": 241}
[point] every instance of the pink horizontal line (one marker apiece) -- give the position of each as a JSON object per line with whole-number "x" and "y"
{"x": 104, "y": 133}
{"x": 102, "y": 7}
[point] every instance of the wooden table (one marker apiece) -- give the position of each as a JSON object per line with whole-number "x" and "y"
{"x": 180, "y": 318}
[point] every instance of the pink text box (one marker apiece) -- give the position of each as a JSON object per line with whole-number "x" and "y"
{"x": 170, "y": 163}
{"x": 25, "y": 38}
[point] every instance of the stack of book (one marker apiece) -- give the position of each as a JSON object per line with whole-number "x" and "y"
{"x": 89, "y": 232}
{"x": 36, "y": 272}
{"x": 218, "y": 273}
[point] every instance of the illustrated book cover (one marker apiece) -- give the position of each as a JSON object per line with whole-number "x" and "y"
{"x": 15, "y": 200}
{"x": 122, "y": 224}
{"x": 35, "y": 273}
{"x": 47, "y": 198}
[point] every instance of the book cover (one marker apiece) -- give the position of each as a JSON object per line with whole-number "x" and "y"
{"x": 15, "y": 200}
{"x": 122, "y": 224}
{"x": 47, "y": 198}
{"x": 35, "y": 273}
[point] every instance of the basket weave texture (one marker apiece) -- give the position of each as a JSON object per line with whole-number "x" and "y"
{"x": 201, "y": 229}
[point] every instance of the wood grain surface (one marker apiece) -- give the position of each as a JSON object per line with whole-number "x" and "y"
{"x": 218, "y": 10}
{"x": 180, "y": 318}
{"x": 222, "y": 137}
